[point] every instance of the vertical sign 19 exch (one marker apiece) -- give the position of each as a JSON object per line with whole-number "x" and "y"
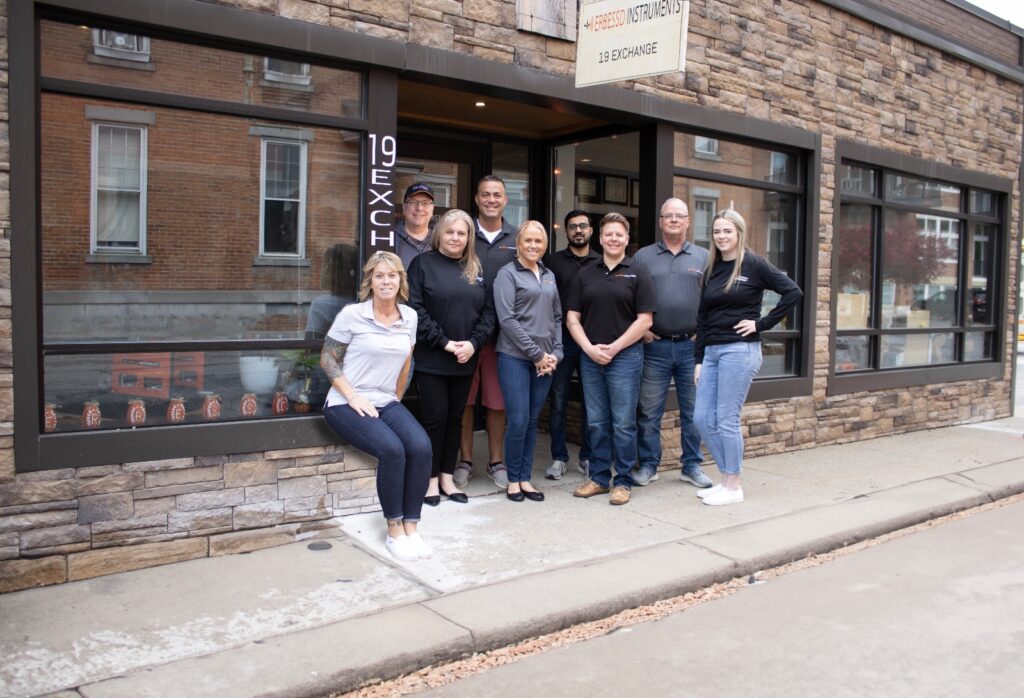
{"x": 383, "y": 153}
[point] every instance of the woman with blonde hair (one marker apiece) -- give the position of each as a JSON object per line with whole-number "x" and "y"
{"x": 529, "y": 347}
{"x": 366, "y": 355}
{"x": 728, "y": 352}
{"x": 456, "y": 317}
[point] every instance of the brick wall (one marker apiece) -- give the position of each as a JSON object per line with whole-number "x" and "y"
{"x": 762, "y": 58}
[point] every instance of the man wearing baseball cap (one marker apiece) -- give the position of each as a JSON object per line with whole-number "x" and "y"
{"x": 412, "y": 233}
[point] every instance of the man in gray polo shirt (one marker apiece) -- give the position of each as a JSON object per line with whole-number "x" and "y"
{"x": 675, "y": 266}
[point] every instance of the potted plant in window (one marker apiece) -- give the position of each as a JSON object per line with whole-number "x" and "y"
{"x": 305, "y": 381}
{"x": 258, "y": 373}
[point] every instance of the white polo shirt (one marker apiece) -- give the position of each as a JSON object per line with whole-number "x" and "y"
{"x": 375, "y": 353}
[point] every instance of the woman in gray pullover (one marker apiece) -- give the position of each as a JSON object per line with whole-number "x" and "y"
{"x": 529, "y": 347}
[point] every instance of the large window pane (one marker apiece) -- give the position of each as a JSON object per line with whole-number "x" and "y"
{"x": 203, "y": 277}
{"x": 853, "y": 274}
{"x": 861, "y": 181}
{"x": 735, "y": 159}
{"x": 903, "y": 189}
{"x": 980, "y": 262}
{"x": 779, "y": 358}
{"x": 919, "y": 278}
{"x": 114, "y": 391}
{"x": 917, "y": 349}
{"x": 512, "y": 163}
{"x": 199, "y": 71}
{"x": 979, "y": 346}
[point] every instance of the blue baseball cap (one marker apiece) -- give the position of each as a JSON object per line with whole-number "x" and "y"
{"x": 419, "y": 188}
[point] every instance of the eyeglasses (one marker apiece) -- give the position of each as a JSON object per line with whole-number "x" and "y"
{"x": 577, "y": 226}
{"x": 419, "y": 203}
{"x": 674, "y": 216}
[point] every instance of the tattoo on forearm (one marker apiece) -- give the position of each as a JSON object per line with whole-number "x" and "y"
{"x": 331, "y": 357}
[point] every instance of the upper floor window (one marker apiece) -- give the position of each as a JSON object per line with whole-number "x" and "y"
{"x": 128, "y": 47}
{"x": 289, "y": 72}
{"x": 705, "y": 146}
{"x": 283, "y": 200}
{"x": 118, "y": 188}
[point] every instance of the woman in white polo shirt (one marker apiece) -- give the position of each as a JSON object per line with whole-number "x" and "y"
{"x": 367, "y": 355}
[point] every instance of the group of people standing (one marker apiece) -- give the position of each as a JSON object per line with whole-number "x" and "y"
{"x": 477, "y": 306}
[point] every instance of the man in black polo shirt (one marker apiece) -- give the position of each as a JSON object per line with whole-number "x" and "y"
{"x": 566, "y": 264}
{"x": 676, "y": 266}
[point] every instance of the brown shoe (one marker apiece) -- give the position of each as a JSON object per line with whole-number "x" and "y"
{"x": 589, "y": 489}
{"x": 620, "y": 495}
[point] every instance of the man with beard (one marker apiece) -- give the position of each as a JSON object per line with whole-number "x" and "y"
{"x": 566, "y": 264}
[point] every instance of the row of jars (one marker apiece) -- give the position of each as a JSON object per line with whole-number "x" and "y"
{"x": 135, "y": 416}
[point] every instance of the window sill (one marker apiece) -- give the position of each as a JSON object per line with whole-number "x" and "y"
{"x": 121, "y": 62}
{"x": 840, "y": 384}
{"x": 267, "y": 261}
{"x": 285, "y": 85}
{"x": 107, "y": 258}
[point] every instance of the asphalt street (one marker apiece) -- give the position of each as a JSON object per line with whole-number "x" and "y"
{"x": 939, "y": 612}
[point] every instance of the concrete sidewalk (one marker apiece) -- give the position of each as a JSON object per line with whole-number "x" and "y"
{"x": 294, "y": 621}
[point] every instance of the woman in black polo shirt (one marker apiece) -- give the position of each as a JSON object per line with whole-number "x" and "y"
{"x": 728, "y": 352}
{"x": 610, "y": 306}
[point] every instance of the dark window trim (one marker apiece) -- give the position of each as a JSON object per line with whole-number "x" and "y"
{"x": 856, "y": 381}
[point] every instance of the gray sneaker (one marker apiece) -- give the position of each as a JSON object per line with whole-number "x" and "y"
{"x": 463, "y": 471}
{"x": 584, "y": 467}
{"x": 695, "y": 476}
{"x": 556, "y": 470}
{"x": 643, "y": 476}
{"x": 496, "y": 471}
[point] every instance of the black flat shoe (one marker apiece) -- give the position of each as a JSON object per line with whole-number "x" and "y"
{"x": 460, "y": 497}
{"x": 433, "y": 500}
{"x": 534, "y": 495}
{"x": 516, "y": 496}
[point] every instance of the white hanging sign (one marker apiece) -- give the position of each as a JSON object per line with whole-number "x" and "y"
{"x": 627, "y": 39}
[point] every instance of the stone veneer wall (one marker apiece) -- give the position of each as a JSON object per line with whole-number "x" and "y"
{"x": 759, "y": 58}
{"x": 77, "y": 523}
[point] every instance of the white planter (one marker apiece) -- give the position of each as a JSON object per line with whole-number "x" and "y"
{"x": 258, "y": 373}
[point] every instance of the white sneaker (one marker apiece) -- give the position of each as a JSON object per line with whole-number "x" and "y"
{"x": 704, "y": 493}
{"x": 724, "y": 496}
{"x": 420, "y": 546}
{"x": 401, "y": 548}
{"x": 556, "y": 470}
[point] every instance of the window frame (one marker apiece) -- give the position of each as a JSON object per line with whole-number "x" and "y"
{"x": 804, "y": 256}
{"x": 882, "y": 161}
{"x": 94, "y": 189}
{"x": 300, "y": 252}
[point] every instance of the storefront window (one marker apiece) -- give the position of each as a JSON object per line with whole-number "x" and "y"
{"x": 772, "y": 216}
{"x": 192, "y": 258}
{"x": 935, "y": 269}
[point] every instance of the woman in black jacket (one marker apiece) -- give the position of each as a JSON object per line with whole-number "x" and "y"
{"x": 456, "y": 318}
{"x": 728, "y": 350}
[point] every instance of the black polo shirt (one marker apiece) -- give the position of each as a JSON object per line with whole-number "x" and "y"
{"x": 566, "y": 266}
{"x": 609, "y": 301}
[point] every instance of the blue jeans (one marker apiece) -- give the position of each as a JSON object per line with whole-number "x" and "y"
{"x": 665, "y": 359}
{"x": 524, "y": 393}
{"x": 560, "y": 402}
{"x": 611, "y": 393}
{"x": 725, "y": 379}
{"x": 402, "y": 450}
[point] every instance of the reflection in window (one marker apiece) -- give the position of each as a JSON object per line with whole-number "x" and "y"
{"x": 127, "y": 47}
{"x": 511, "y": 163}
{"x": 703, "y": 145}
{"x": 910, "y": 262}
{"x": 701, "y": 216}
{"x": 290, "y": 72}
{"x": 119, "y": 183}
{"x": 284, "y": 193}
